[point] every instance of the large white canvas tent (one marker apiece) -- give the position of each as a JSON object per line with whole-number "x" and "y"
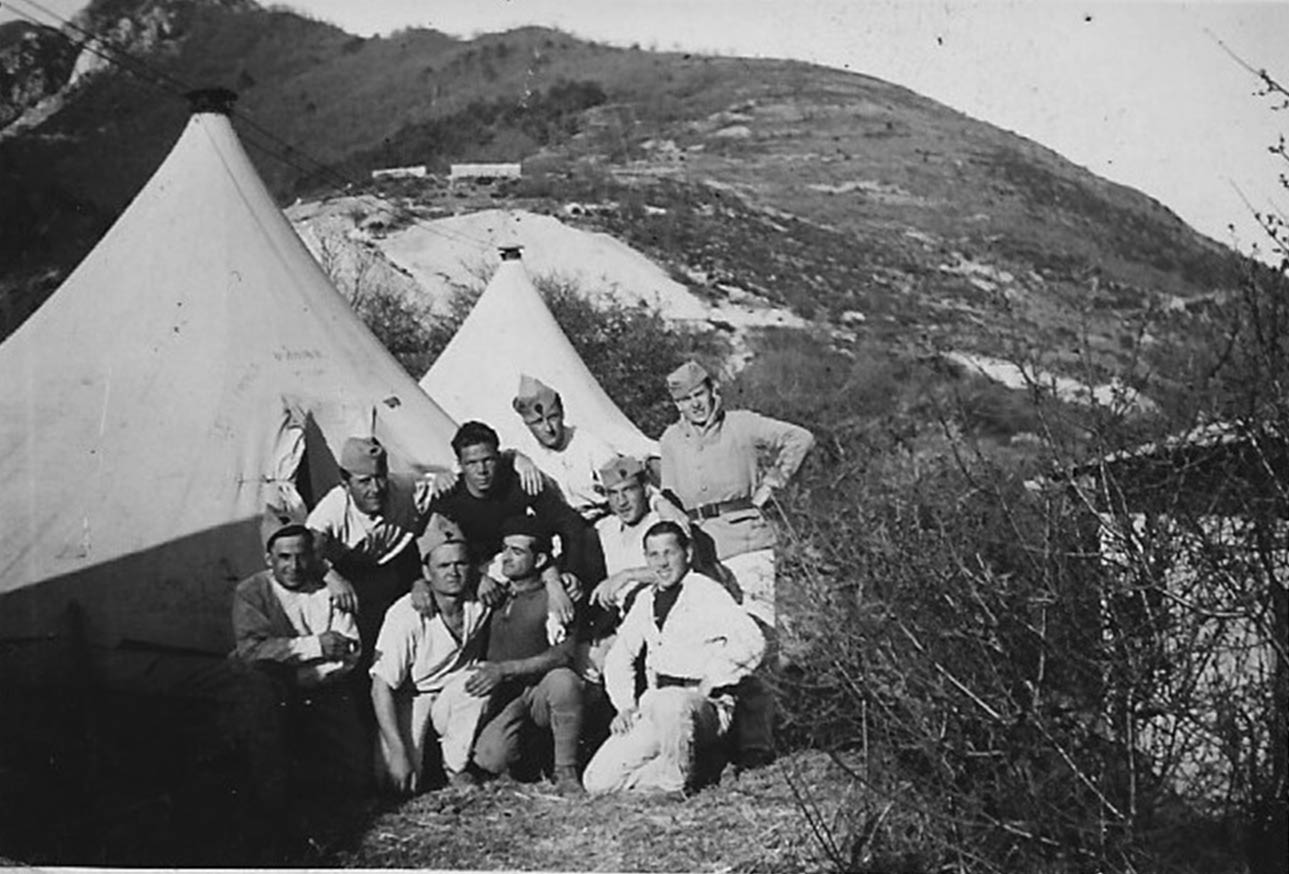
{"x": 509, "y": 332}
{"x": 196, "y": 367}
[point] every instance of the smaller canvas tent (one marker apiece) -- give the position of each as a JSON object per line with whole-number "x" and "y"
{"x": 510, "y": 332}
{"x": 196, "y": 366}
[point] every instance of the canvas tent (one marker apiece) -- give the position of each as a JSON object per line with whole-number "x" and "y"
{"x": 511, "y": 332}
{"x": 196, "y": 366}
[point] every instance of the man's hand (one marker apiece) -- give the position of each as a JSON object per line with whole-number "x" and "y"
{"x": 490, "y": 591}
{"x": 558, "y": 602}
{"x": 762, "y": 495}
{"x": 423, "y": 599}
{"x": 572, "y": 586}
{"x": 609, "y": 592}
{"x": 444, "y": 481}
{"x": 342, "y": 592}
{"x": 402, "y": 776}
{"x": 625, "y": 721}
{"x": 605, "y": 595}
{"x": 556, "y": 631}
{"x": 530, "y": 478}
{"x": 705, "y": 687}
{"x": 486, "y": 677}
{"x": 335, "y": 645}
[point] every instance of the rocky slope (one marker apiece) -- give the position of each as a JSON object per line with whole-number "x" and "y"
{"x": 857, "y": 206}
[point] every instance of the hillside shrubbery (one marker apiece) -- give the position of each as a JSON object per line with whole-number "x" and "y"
{"x": 1005, "y": 697}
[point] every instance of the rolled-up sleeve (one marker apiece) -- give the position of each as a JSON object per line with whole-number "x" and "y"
{"x": 394, "y": 649}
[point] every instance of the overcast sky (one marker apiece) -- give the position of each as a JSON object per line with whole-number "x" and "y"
{"x": 1138, "y": 92}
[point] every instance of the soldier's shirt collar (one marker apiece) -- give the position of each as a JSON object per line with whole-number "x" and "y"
{"x": 718, "y": 416}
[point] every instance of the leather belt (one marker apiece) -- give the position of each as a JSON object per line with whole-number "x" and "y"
{"x": 667, "y": 680}
{"x": 718, "y": 508}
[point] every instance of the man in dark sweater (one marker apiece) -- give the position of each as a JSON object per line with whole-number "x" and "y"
{"x": 489, "y": 492}
{"x": 527, "y": 671}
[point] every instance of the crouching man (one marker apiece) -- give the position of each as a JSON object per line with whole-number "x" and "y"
{"x": 528, "y": 673}
{"x": 421, "y": 665}
{"x": 698, "y": 644}
{"x": 297, "y": 717}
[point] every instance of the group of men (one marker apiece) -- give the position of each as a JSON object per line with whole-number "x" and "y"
{"x": 504, "y": 618}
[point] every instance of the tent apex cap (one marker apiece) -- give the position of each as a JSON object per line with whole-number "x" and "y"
{"x": 217, "y": 100}
{"x": 511, "y": 253}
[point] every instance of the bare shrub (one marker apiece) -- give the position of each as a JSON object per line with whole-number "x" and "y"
{"x": 1009, "y": 687}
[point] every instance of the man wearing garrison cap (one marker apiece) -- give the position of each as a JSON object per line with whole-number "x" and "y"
{"x": 570, "y": 455}
{"x": 710, "y": 462}
{"x": 297, "y": 718}
{"x": 367, "y": 526}
{"x": 634, "y": 506}
{"x": 421, "y": 667}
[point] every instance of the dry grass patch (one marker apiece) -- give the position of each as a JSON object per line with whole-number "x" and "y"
{"x": 750, "y": 824}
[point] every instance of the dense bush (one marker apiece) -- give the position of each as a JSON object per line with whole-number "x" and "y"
{"x": 967, "y": 682}
{"x": 400, "y": 325}
{"x": 996, "y": 687}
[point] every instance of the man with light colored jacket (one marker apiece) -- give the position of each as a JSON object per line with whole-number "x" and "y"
{"x": 294, "y": 651}
{"x": 698, "y": 644}
{"x": 711, "y": 464}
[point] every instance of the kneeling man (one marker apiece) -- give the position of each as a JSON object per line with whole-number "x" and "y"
{"x": 421, "y": 666}
{"x": 698, "y": 644}
{"x": 529, "y": 679}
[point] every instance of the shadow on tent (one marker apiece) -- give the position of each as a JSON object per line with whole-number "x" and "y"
{"x": 115, "y": 743}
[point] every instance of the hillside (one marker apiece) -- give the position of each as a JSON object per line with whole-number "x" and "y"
{"x": 964, "y": 681}
{"x": 829, "y": 192}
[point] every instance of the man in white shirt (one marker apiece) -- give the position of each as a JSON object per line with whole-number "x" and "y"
{"x": 634, "y": 507}
{"x": 698, "y": 644}
{"x": 296, "y": 650}
{"x": 571, "y": 456}
{"x": 421, "y": 666}
{"x": 367, "y": 528}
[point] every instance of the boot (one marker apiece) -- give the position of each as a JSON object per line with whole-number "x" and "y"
{"x": 567, "y": 783}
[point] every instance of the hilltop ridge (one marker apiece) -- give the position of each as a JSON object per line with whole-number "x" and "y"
{"x": 826, "y": 191}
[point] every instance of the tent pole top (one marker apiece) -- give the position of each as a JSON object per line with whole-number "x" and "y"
{"x": 216, "y": 100}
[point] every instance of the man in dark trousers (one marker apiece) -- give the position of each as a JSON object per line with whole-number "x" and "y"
{"x": 297, "y": 715}
{"x": 527, "y": 669}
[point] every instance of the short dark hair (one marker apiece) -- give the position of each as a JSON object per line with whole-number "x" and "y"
{"x": 473, "y": 434}
{"x": 295, "y": 530}
{"x": 666, "y": 526}
{"x": 528, "y": 526}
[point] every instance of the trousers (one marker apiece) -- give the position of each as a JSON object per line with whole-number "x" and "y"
{"x": 553, "y": 703}
{"x": 452, "y": 714}
{"x": 676, "y": 730}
